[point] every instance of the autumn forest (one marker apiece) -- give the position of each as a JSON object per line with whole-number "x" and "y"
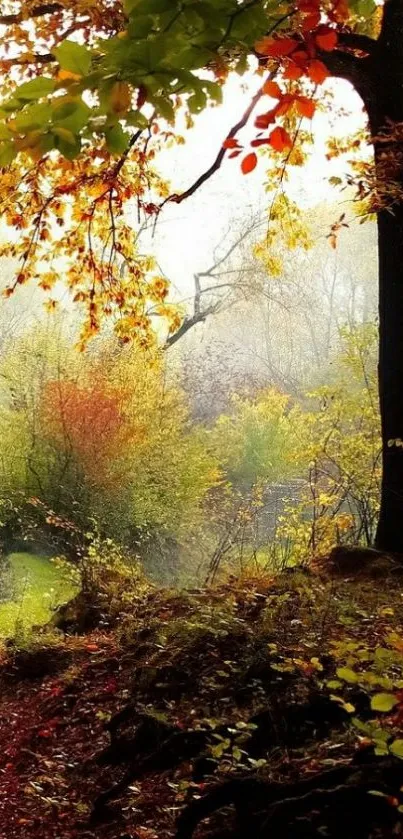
{"x": 201, "y": 420}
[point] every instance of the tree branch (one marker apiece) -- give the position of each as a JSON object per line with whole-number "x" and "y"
{"x": 357, "y": 71}
{"x": 177, "y": 199}
{"x": 187, "y": 324}
{"x": 38, "y": 11}
{"x": 354, "y": 41}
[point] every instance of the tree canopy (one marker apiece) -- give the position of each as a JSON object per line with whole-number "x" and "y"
{"x": 90, "y": 94}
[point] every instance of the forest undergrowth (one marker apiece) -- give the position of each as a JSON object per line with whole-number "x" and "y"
{"x": 281, "y": 694}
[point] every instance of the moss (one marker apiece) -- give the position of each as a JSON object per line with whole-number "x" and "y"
{"x": 38, "y": 588}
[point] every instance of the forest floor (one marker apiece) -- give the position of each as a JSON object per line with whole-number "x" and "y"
{"x": 271, "y": 678}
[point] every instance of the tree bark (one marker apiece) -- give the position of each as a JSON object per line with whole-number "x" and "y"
{"x": 378, "y": 78}
{"x": 386, "y": 115}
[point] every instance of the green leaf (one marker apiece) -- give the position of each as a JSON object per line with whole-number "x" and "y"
{"x": 164, "y": 107}
{"x": 5, "y": 133}
{"x": 117, "y": 140}
{"x": 197, "y": 102}
{"x": 140, "y": 26}
{"x": 383, "y": 702}
{"x": 35, "y": 89}
{"x": 33, "y": 116}
{"x": 347, "y": 675}
{"x": 136, "y": 118}
{"x": 65, "y": 135}
{"x": 397, "y": 748}
{"x": 333, "y": 684}
{"x": 72, "y": 115}
{"x": 67, "y": 148}
{"x": 74, "y": 57}
{"x": 364, "y": 8}
{"x": 151, "y": 7}
{"x": 362, "y": 726}
{"x": 7, "y": 153}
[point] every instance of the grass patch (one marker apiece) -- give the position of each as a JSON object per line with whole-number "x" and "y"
{"x": 39, "y": 587}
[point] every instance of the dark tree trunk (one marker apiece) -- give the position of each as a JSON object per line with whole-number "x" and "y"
{"x": 386, "y": 114}
{"x": 390, "y": 528}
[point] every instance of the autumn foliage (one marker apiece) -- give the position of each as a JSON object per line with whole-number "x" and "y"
{"x": 85, "y": 115}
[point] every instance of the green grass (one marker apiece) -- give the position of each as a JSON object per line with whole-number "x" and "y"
{"x": 38, "y": 587}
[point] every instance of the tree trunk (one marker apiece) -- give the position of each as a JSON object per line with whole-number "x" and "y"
{"x": 390, "y": 528}
{"x": 386, "y": 114}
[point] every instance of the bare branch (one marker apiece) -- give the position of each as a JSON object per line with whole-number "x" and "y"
{"x": 187, "y": 324}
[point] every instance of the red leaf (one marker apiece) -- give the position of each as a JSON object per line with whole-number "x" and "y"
{"x": 230, "y": 143}
{"x": 293, "y": 72}
{"x": 235, "y": 153}
{"x": 141, "y": 96}
{"x": 272, "y": 89}
{"x": 317, "y": 71}
{"x": 276, "y": 47}
{"x": 264, "y": 120}
{"x": 300, "y": 57}
{"x": 308, "y": 6}
{"x": 305, "y": 107}
{"x": 260, "y": 141}
{"x": 311, "y": 21}
{"x": 280, "y": 139}
{"x": 326, "y": 38}
{"x": 249, "y": 163}
{"x": 285, "y": 104}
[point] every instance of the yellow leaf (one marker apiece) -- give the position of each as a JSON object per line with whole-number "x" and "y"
{"x": 68, "y": 75}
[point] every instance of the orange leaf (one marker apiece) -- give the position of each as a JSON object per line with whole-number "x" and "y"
{"x": 280, "y": 139}
{"x": 272, "y": 89}
{"x": 317, "y": 71}
{"x": 68, "y": 75}
{"x": 276, "y": 47}
{"x": 305, "y": 107}
{"x": 340, "y": 12}
{"x": 326, "y": 39}
{"x": 249, "y": 163}
{"x": 286, "y": 103}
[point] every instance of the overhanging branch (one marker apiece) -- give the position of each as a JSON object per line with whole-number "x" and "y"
{"x": 177, "y": 199}
{"x": 355, "y": 41}
{"x": 351, "y": 68}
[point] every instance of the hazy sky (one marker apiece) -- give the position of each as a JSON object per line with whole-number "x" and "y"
{"x": 187, "y": 233}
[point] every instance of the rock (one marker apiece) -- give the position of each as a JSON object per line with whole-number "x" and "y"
{"x": 347, "y": 560}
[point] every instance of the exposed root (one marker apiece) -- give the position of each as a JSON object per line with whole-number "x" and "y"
{"x": 338, "y": 800}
